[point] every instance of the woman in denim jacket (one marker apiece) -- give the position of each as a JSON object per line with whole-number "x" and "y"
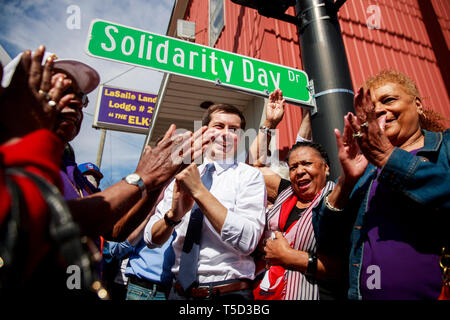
{"x": 397, "y": 188}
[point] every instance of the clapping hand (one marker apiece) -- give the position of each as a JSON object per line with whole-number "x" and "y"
{"x": 369, "y": 133}
{"x": 30, "y": 102}
{"x": 353, "y": 162}
{"x": 173, "y": 153}
{"x": 182, "y": 202}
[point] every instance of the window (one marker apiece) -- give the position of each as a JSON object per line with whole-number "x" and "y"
{"x": 216, "y": 20}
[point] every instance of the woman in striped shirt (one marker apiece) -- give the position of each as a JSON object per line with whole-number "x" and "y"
{"x": 306, "y": 255}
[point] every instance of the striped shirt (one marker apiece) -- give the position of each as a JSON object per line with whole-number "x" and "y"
{"x": 301, "y": 237}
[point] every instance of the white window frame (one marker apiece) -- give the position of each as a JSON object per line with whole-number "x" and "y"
{"x": 213, "y": 16}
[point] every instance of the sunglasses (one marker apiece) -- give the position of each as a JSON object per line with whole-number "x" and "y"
{"x": 80, "y": 96}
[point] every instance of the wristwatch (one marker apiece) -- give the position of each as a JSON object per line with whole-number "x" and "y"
{"x": 136, "y": 180}
{"x": 266, "y": 130}
{"x": 311, "y": 269}
{"x": 170, "y": 222}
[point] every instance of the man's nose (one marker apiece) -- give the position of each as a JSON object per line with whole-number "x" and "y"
{"x": 226, "y": 131}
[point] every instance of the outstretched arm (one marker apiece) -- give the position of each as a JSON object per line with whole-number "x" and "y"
{"x": 274, "y": 114}
{"x": 305, "y": 131}
{"x": 259, "y": 149}
{"x": 114, "y": 208}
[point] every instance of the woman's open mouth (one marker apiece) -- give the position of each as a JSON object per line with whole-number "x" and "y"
{"x": 303, "y": 184}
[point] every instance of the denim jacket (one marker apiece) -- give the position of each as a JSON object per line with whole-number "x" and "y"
{"x": 423, "y": 178}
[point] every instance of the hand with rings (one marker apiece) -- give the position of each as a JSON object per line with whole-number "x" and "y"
{"x": 45, "y": 94}
{"x": 31, "y": 95}
{"x": 48, "y": 97}
{"x": 371, "y": 139}
{"x": 358, "y": 134}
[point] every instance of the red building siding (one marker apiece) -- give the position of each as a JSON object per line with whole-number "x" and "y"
{"x": 402, "y": 42}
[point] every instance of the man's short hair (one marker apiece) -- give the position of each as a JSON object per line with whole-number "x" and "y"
{"x": 224, "y": 108}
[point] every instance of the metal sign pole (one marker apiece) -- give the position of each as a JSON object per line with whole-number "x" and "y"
{"x": 325, "y": 61}
{"x": 101, "y": 145}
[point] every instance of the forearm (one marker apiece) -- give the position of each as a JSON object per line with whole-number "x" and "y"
{"x": 339, "y": 196}
{"x": 97, "y": 213}
{"x": 305, "y": 130}
{"x": 259, "y": 149}
{"x": 213, "y": 210}
{"x": 161, "y": 232}
{"x": 327, "y": 267}
{"x": 137, "y": 234}
{"x": 134, "y": 221}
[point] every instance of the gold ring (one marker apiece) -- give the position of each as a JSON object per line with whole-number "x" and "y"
{"x": 45, "y": 94}
{"x": 357, "y": 135}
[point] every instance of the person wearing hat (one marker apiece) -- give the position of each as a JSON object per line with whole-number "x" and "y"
{"x": 109, "y": 208}
{"x": 80, "y": 79}
{"x": 116, "y": 211}
{"x": 91, "y": 172}
{"x": 28, "y": 148}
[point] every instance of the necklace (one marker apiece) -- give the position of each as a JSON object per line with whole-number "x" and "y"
{"x": 78, "y": 190}
{"x": 408, "y": 147}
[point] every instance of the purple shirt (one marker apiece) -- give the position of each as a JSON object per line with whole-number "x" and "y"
{"x": 73, "y": 180}
{"x": 397, "y": 263}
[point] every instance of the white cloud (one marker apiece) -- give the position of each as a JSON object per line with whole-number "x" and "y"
{"x": 26, "y": 24}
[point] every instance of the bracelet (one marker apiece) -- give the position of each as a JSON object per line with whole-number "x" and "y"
{"x": 329, "y": 206}
{"x": 311, "y": 269}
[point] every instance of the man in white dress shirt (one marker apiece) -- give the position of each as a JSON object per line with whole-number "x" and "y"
{"x": 232, "y": 210}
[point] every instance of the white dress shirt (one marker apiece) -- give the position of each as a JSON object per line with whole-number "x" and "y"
{"x": 240, "y": 188}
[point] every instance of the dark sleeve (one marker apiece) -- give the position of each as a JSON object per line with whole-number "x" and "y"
{"x": 284, "y": 184}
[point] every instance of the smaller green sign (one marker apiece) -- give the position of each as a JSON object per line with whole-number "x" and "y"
{"x": 137, "y": 47}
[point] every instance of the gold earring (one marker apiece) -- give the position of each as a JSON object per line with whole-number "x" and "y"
{"x": 421, "y": 113}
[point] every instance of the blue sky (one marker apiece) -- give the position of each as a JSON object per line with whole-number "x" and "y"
{"x": 26, "y": 24}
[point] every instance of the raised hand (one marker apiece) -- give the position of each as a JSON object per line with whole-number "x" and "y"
{"x": 172, "y": 154}
{"x": 182, "y": 202}
{"x": 275, "y": 108}
{"x": 353, "y": 163}
{"x": 189, "y": 179}
{"x": 30, "y": 102}
{"x": 369, "y": 133}
{"x": 156, "y": 166}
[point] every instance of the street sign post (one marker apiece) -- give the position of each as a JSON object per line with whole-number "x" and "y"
{"x": 115, "y": 42}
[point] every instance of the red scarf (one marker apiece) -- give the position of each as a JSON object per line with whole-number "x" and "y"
{"x": 275, "y": 273}
{"x": 286, "y": 209}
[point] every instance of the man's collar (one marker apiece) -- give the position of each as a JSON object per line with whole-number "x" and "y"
{"x": 220, "y": 165}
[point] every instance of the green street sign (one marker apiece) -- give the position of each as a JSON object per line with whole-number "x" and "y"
{"x": 115, "y": 42}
